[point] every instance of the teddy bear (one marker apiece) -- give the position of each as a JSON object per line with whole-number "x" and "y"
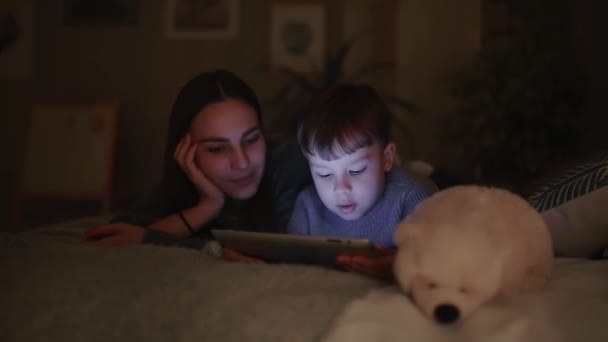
{"x": 468, "y": 244}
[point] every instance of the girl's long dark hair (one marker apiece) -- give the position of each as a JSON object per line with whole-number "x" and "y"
{"x": 201, "y": 91}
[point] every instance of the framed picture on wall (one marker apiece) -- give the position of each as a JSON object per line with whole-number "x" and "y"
{"x": 201, "y": 19}
{"x": 104, "y": 13}
{"x": 67, "y": 167}
{"x": 297, "y": 35}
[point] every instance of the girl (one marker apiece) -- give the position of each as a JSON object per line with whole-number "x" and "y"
{"x": 219, "y": 171}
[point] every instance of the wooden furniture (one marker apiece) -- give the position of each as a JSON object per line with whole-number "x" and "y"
{"x": 67, "y": 162}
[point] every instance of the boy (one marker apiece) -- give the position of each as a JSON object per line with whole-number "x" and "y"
{"x": 357, "y": 193}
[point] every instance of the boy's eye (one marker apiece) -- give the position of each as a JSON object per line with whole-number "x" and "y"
{"x": 357, "y": 172}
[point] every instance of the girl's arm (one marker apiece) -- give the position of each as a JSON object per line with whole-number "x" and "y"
{"x": 189, "y": 220}
{"x": 169, "y": 231}
{"x": 176, "y": 226}
{"x": 135, "y": 228}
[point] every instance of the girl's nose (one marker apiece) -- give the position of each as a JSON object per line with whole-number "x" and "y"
{"x": 240, "y": 159}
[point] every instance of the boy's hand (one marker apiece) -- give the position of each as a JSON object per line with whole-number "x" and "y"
{"x": 379, "y": 265}
{"x": 232, "y": 255}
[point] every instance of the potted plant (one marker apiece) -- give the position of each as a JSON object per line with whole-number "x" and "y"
{"x": 518, "y": 106}
{"x": 292, "y": 99}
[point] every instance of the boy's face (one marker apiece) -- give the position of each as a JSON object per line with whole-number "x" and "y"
{"x": 350, "y": 185}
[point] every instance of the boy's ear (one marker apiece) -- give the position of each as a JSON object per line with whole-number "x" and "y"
{"x": 389, "y": 156}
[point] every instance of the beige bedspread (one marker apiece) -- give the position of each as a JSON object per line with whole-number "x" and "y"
{"x": 54, "y": 288}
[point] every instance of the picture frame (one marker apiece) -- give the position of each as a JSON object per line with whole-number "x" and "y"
{"x": 67, "y": 161}
{"x": 297, "y": 35}
{"x": 201, "y": 19}
{"x": 100, "y": 13}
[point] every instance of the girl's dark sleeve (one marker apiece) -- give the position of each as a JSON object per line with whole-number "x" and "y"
{"x": 290, "y": 175}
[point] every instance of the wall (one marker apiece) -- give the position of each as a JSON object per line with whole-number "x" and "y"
{"x": 591, "y": 48}
{"x": 433, "y": 37}
{"x": 15, "y": 90}
{"x": 143, "y": 68}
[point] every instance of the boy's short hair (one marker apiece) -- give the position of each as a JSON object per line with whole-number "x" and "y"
{"x": 343, "y": 119}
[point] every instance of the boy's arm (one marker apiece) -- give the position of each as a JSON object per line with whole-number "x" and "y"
{"x": 377, "y": 266}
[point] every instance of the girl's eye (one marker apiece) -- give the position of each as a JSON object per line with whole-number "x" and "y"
{"x": 216, "y": 149}
{"x": 252, "y": 139}
{"x": 357, "y": 172}
{"x": 324, "y": 175}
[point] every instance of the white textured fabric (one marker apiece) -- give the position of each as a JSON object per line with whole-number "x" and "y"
{"x": 54, "y": 288}
{"x": 579, "y": 227}
{"x": 574, "y": 307}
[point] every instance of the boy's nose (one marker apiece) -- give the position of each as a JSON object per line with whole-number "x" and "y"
{"x": 342, "y": 185}
{"x": 239, "y": 160}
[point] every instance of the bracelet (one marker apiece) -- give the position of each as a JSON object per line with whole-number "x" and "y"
{"x": 181, "y": 216}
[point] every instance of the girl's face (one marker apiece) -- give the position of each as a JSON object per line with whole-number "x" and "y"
{"x": 231, "y": 148}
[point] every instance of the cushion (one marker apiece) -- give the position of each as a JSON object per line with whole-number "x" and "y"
{"x": 575, "y": 207}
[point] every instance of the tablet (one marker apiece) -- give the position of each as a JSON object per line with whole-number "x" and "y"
{"x": 286, "y": 248}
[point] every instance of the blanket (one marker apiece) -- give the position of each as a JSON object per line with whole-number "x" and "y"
{"x": 55, "y": 288}
{"x": 574, "y": 307}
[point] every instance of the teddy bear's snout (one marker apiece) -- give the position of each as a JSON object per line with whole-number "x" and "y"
{"x": 446, "y": 313}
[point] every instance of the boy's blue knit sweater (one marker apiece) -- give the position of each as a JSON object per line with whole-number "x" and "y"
{"x": 402, "y": 193}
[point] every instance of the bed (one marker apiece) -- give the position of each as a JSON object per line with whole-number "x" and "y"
{"x": 55, "y": 288}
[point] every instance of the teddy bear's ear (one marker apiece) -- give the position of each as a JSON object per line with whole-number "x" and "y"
{"x": 406, "y": 234}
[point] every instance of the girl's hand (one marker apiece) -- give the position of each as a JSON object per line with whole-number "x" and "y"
{"x": 115, "y": 234}
{"x": 377, "y": 266}
{"x": 184, "y": 156}
{"x": 232, "y": 255}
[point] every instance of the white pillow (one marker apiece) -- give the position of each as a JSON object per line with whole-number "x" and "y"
{"x": 580, "y": 227}
{"x": 575, "y": 207}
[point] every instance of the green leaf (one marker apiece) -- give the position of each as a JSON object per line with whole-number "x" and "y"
{"x": 334, "y": 68}
{"x": 371, "y": 68}
{"x": 299, "y": 79}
